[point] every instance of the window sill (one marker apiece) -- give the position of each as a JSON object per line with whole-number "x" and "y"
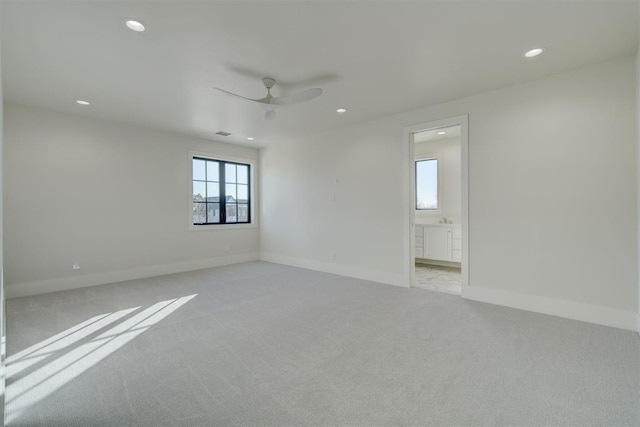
{"x": 221, "y": 226}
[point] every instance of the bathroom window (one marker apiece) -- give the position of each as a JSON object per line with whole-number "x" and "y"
{"x": 427, "y": 184}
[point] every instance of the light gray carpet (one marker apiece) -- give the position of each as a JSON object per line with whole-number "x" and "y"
{"x": 269, "y": 345}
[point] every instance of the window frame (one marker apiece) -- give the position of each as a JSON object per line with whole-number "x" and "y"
{"x": 422, "y": 158}
{"x": 251, "y": 191}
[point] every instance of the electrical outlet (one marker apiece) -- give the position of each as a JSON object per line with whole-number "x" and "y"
{"x": 76, "y": 265}
{"x": 333, "y": 254}
{"x": 226, "y": 248}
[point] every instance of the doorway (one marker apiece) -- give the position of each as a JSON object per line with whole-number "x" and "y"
{"x": 437, "y": 205}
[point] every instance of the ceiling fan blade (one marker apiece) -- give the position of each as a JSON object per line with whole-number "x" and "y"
{"x": 318, "y": 80}
{"x": 236, "y": 95}
{"x": 295, "y": 98}
{"x": 267, "y": 100}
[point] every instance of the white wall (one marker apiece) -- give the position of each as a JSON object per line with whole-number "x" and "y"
{"x": 2, "y": 311}
{"x": 638, "y": 170}
{"x": 449, "y": 175}
{"x": 552, "y": 190}
{"x": 112, "y": 196}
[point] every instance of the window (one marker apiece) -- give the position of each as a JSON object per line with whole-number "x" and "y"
{"x": 427, "y": 184}
{"x": 221, "y": 192}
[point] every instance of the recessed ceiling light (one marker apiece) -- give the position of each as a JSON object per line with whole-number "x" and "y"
{"x": 442, "y": 132}
{"x": 341, "y": 110}
{"x": 534, "y": 52}
{"x": 134, "y": 25}
{"x": 81, "y": 102}
{"x": 250, "y": 138}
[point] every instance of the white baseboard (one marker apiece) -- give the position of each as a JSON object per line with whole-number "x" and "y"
{"x": 555, "y": 307}
{"x": 572, "y": 310}
{"x": 343, "y": 270}
{"x": 562, "y": 308}
{"x": 16, "y": 290}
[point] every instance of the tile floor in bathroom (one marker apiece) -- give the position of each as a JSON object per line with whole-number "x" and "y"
{"x": 440, "y": 279}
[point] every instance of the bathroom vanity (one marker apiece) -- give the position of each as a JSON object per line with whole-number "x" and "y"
{"x": 439, "y": 242}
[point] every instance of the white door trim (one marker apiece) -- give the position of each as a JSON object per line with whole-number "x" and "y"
{"x": 409, "y": 193}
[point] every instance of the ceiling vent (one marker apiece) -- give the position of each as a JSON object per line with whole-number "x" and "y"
{"x": 223, "y": 133}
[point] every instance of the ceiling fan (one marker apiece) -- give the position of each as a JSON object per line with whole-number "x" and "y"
{"x": 270, "y": 101}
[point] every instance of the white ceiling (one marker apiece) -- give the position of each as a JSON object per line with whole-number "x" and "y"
{"x": 433, "y": 134}
{"x": 373, "y": 58}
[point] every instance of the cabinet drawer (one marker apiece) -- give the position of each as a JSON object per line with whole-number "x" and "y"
{"x": 457, "y": 244}
{"x": 418, "y": 230}
{"x": 419, "y": 242}
{"x": 419, "y": 253}
{"x": 456, "y": 256}
{"x": 457, "y": 233}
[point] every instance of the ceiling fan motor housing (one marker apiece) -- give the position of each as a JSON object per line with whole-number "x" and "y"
{"x": 268, "y": 82}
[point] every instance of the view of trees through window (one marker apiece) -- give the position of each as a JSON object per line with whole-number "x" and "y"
{"x": 427, "y": 184}
{"x": 220, "y": 192}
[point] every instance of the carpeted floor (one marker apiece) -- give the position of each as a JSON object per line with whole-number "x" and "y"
{"x": 269, "y": 345}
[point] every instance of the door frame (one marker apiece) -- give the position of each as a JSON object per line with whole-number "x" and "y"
{"x": 409, "y": 192}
